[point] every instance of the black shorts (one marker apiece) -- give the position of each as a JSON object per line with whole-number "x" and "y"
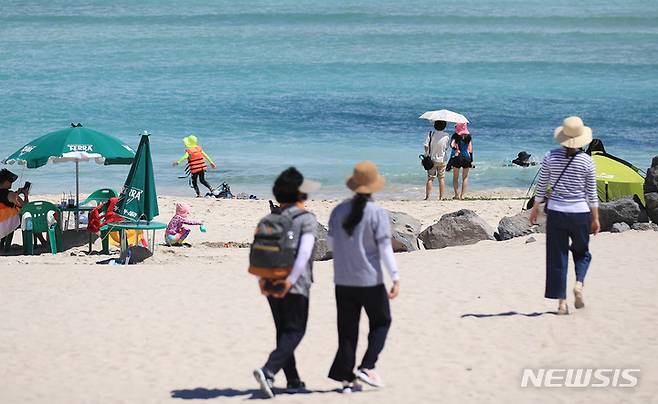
{"x": 460, "y": 162}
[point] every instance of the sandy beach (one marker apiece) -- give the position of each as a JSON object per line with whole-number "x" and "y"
{"x": 190, "y": 323}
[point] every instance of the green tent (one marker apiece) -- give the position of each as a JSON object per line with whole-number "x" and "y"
{"x": 617, "y": 178}
{"x": 138, "y": 199}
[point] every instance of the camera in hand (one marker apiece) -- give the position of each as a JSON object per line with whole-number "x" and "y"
{"x": 27, "y": 186}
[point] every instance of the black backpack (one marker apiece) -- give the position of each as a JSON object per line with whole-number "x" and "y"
{"x": 274, "y": 249}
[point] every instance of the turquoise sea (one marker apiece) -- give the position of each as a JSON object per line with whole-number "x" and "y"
{"x": 323, "y": 84}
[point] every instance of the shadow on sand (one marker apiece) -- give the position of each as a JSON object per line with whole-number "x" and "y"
{"x": 201, "y": 393}
{"x": 507, "y": 314}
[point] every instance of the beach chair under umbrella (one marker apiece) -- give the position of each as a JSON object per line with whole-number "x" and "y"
{"x": 74, "y": 144}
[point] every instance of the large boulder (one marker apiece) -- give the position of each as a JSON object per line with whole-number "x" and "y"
{"x": 651, "y": 180}
{"x": 459, "y": 228}
{"x": 645, "y": 226}
{"x": 621, "y": 210}
{"x": 519, "y": 225}
{"x": 322, "y": 251}
{"x": 405, "y": 231}
{"x": 651, "y": 200}
{"x": 620, "y": 227}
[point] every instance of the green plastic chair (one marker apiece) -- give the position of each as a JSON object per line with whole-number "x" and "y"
{"x": 100, "y": 196}
{"x": 39, "y": 211}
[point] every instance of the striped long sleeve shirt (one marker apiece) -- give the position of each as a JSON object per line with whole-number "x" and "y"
{"x": 576, "y": 190}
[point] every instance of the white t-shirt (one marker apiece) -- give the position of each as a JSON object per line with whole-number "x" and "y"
{"x": 440, "y": 143}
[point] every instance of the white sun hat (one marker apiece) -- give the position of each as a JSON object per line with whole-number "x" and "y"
{"x": 573, "y": 133}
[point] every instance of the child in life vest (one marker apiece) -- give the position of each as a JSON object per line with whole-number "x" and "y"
{"x": 196, "y": 160}
{"x": 176, "y": 233}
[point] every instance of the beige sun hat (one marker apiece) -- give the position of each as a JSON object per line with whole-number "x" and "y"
{"x": 573, "y": 133}
{"x": 366, "y": 178}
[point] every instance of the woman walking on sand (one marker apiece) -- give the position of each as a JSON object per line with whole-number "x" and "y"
{"x": 360, "y": 236}
{"x": 461, "y": 157}
{"x": 572, "y": 210}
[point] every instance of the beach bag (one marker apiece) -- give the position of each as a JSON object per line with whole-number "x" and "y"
{"x": 274, "y": 249}
{"x": 426, "y": 160}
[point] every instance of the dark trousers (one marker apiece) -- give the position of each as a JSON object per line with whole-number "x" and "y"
{"x": 349, "y": 301}
{"x": 560, "y": 228}
{"x": 290, "y": 317}
{"x": 200, "y": 176}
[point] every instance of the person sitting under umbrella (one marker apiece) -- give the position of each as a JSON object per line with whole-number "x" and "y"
{"x": 15, "y": 199}
{"x": 9, "y": 198}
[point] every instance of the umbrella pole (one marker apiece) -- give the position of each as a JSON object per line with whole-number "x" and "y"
{"x": 77, "y": 194}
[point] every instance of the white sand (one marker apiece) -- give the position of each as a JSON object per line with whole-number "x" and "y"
{"x": 191, "y": 323}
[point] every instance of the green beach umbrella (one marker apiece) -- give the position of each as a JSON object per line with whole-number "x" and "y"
{"x": 74, "y": 144}
{"x": 138, "y": 199}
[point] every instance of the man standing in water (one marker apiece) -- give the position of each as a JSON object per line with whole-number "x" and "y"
{"x": 436, "y": 145}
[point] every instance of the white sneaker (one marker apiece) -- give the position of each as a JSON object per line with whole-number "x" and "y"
{"x": 370, "y": 377}
{"x": 265, "y": 383}
{"x": 349, "y": 388}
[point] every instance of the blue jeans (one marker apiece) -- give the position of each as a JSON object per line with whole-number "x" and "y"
{"x": 560, "y": 227}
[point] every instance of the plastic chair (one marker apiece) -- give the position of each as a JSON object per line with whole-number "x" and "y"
{"x": 39, "y": 220}
{"x": 100, "y": 196}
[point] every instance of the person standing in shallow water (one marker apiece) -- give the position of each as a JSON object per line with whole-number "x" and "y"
{"x": 196, "y": 160}
{"x": 461, "y": 157}
{"x": 360, "y": 237}
{"x": 572, "y": 210}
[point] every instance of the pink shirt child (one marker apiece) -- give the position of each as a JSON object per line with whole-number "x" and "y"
{"x": 180, "y": 218}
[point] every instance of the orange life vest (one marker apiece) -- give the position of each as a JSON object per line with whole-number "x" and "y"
{"x": 195, "y": 160}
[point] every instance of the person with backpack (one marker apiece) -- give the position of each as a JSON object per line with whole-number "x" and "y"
{"x": 196, "y": 162}
{"x": 436, "y": 144}
{"x": 282, "y": 256}
{"x": 461, "y": 157}
{"x": 360, "y": 237}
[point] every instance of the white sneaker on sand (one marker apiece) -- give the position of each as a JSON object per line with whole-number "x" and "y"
{"x": 353, "y": 387}
{"x": 265, "y": 383}
{"x": 370, "y": 377}
{"x": 578, "y": 294}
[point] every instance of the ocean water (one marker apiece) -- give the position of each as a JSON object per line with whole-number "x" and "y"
{"x": 324, "y": 84}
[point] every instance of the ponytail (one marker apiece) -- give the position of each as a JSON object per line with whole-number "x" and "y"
{"x": 356, "y": 214}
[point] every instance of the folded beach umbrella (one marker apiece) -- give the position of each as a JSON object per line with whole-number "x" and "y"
{"x": 444, "y": 115}
{"x": 74, "y": 144}
{"x": 139, "y": 200}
